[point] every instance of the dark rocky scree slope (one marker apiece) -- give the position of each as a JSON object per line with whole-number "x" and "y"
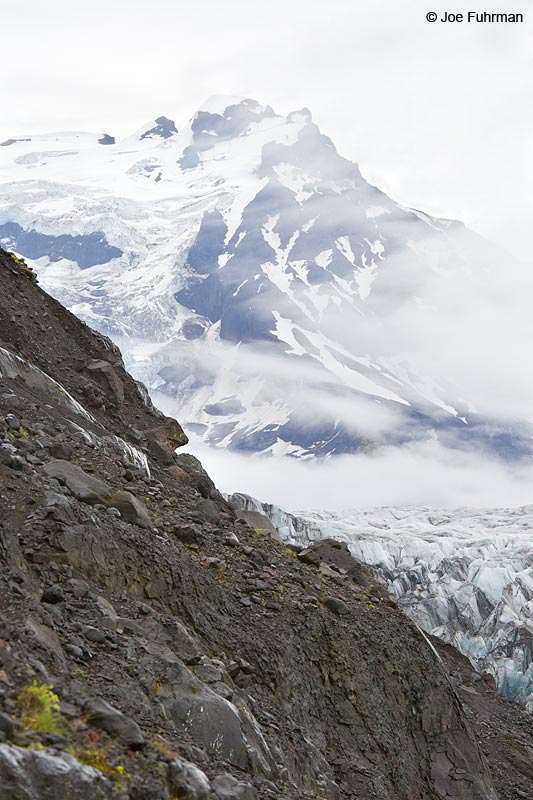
{"x": 193, "y": 655}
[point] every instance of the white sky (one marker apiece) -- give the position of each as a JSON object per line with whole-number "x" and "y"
{"x": 440, "y": 116}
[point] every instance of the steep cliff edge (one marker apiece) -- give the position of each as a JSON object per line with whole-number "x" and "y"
{"x": 191, "y": 655}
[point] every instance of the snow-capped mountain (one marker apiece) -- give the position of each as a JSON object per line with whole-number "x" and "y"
{"x": 249, "y": 272}
{"x": 464, "y": 575}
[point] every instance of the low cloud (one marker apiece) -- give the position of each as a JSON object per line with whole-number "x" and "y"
{"x": 422, "y": 475}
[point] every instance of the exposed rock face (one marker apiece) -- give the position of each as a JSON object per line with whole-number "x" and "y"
{"x": 225, "y": 653}
{"x": 29, "y": 775}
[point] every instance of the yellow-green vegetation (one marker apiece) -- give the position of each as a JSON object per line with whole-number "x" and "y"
{"x": 157, "y": 687}
{"x": 92, "y": 757}
{"x": 22, "y": 264}
{"x": 22, "y": 433}
{"x": 17, "y": 259}
{"x": 38, "y": 709}
{"x": 96, "y": 757}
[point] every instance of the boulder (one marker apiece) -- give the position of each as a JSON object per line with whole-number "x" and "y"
{"x": 258, "y": 521}
{"x": 338, "y": 607}
{"x": 53, "y": 594}
{"x": 309, "y": 556}
{"x": 179, "y": 474}
{"x": 209, "y": 510}
{"x": 83, "y": 486}
{"x": 61, "y": 450}
{"x": 187, "y": 781}
{"x": 165, "y": 439}
{"x": 40, "y": 775}
{"x": 188, "y": 534}
{"x": 226, "y": 787}
{"x": 210, "y": 721}
{"x": 107, "y": 376}
{"x": 131, "y": 509}
{"x": 114, "y": 722}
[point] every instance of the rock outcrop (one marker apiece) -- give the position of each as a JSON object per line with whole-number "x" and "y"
{"x": 160, "y": 665}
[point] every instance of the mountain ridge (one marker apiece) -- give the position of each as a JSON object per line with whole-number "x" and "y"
{"x": 234, "y": 248}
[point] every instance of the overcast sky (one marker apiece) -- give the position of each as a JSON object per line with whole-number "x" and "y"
{"x": 438, "y": 115}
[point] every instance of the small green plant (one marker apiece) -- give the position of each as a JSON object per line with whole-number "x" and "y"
{"x": 92, "y": 757}
{"x": 17, "y": 259}
{"x": 22, "y": 264}
{"x": 89, "y": 751}
{"x": 96, "y": 757}
{"x": 38, "y": 709}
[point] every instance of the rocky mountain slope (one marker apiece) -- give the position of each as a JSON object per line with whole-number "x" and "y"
{"x": 464, "y": 575}
{"x": 190, "y": 654}
{"x": 253, "y": 275}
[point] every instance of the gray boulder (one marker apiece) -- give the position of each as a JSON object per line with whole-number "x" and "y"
{"x": 187, "y": 781}
{"x": 258, "y": 521}
{"x": 227, "y": 787}
{"x": 107, "y": 376}
{"x": 114, "y": 722}
{"x": 83, "y": 486}
{"x": 42, "y": 775}
{"x": 212, "y": 722}
{"x": 131, "y": 509}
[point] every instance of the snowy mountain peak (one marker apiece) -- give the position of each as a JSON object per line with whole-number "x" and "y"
{"x": 259, "y": 269}
{"x": 218, "y": 103}
{"x": 155, "y": 130}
